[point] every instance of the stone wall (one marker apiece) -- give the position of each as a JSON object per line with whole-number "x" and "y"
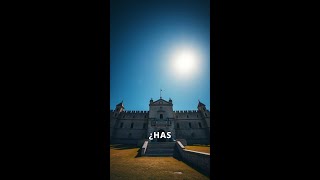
{"x": 196, "y": 159}
{"x": 131, "y": 126}
{"x": 125, "y": 141}
{"x": 194, "y": 131}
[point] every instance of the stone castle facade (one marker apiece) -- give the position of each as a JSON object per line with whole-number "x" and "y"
{"x": 134, "y": 127}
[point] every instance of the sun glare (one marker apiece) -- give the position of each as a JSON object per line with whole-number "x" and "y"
{"x": 185, "y": 62}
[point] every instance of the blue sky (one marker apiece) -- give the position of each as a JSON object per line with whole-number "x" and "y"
{"x": 144, "y": 36}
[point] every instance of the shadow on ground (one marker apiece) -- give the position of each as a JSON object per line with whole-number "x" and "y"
{"x": 138, "y": 153}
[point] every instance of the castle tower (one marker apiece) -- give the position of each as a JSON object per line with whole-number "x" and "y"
{"x": 119, "y": 108}
{"x": 205, "y": 114}
{"x": 161, "y": 117}
{"x": 114, "y": 117}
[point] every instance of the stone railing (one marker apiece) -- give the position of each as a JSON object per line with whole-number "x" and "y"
{"x": 196, "y": 159}
{"x": 144, "y": 148}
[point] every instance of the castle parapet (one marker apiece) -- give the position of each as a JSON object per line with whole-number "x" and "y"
{"x": 133, "y": 112}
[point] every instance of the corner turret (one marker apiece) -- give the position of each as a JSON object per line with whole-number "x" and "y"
{"x": 201, "y": 106}
{"x": 119, "y": 109}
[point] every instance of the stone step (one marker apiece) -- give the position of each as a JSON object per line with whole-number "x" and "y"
{"x": 160, "y": 155}
{"x": 159, "y": 151}
{"x": 167, "y": 143}
{"x": 158, "y": 147}
{"x": 161, "y": 145}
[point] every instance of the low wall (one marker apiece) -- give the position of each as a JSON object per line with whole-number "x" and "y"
{"x": 144, "y": 148}
{"x": 124, "y": 141}
{"x": 197, "y": 141}
{"x": 199, "y": 160}
{"x": 183, "y": 141}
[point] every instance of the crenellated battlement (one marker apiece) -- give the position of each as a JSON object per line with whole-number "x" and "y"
{"x": 132, "y": 112}
{"x": 136, "y": 112}
{"x": 186, "y": 111}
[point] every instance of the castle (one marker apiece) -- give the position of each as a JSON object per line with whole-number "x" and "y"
{"x": 134, "y": 127}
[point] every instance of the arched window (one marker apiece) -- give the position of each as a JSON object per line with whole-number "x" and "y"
{"x": 178, "y": 126}
{"x": 131, "y": 125}
{"x": 200, "y": 125}
{"x": 121, "y": 125}
{"x": 189, "y": 125}
{"x": 161, "y": 116}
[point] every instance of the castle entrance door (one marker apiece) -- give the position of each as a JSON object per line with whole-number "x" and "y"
{"x": 161, "y": 139}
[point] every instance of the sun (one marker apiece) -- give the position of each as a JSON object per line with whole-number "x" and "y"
{"x": 185, "y": 62}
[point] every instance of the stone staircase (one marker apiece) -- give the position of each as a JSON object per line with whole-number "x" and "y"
{"x": 160, "y": 149}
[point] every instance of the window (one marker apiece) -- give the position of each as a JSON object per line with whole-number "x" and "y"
{"x": 161, "y": 116}
{"x": 197, "y": 116}
{"x": 200, "y": 125}
{"x": 123, "y": 116}
{"x": 206, "y": 114}
{"x": 189, "y": 125}
{"x": 176, "y": 116}
{"x": 187, "y": 116}
{"x": 144, "y": 125}
{"x": 121, "y": 125}
{"x": 131, "y": 125}
{"x": 129, "y": 135}
{"x": 133, "y": 116}
{"x": 178, "y": 126}
{"x": 145, "y": 116}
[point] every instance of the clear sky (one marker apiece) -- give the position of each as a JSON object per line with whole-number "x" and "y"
{"x": 160, "y": 44}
